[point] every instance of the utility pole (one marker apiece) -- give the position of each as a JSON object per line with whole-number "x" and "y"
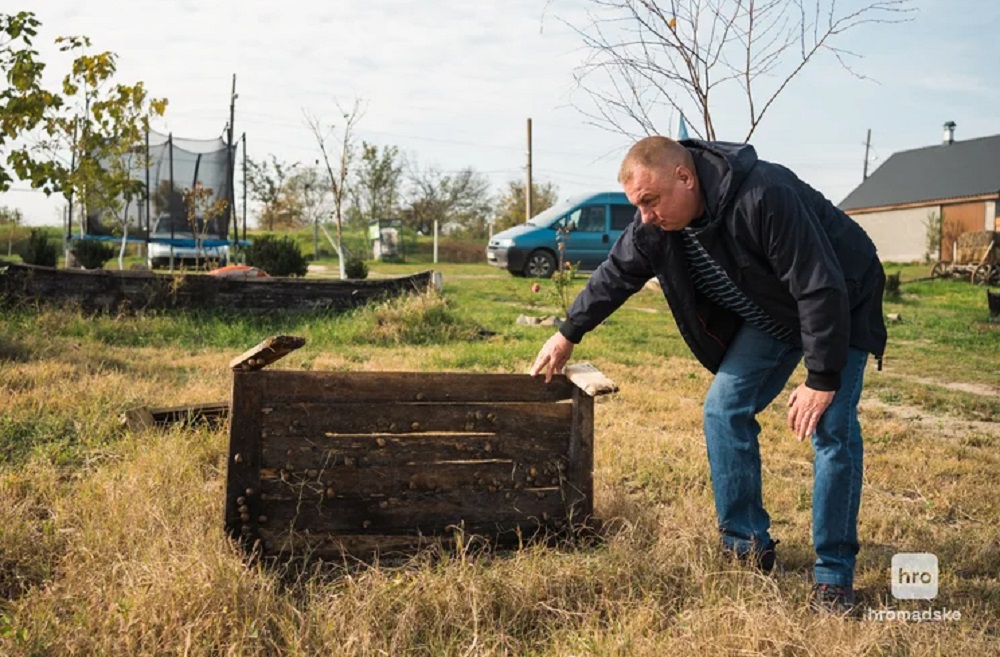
{"x": 868, "y": 145}
{"x": 244, "y": 186}
{"x": 527, "y": 187}
{"x": 231, "y": 170}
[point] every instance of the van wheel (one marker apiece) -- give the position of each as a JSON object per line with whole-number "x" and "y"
{"x": 541, "y": 264}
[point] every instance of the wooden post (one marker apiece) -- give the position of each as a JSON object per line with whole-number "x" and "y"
{"x": 580, "y": 473}
{"x": 243, "y": 473}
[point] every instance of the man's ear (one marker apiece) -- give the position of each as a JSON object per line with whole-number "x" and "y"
{"x": 685, "y": 176}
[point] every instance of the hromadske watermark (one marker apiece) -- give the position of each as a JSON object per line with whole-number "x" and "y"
{"x": 914, "y": 576}
{"x": 914, "y": 616}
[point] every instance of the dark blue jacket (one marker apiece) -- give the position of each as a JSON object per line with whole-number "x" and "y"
{"x": 803, "y": 261}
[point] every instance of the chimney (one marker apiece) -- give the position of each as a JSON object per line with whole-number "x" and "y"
{"x": 949, "y": 132}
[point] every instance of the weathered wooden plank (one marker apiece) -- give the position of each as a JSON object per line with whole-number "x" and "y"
{"x": 365, "y": 450}
{"x": 328, "y": 546}
{"x": 106, "y": 290}
{"x": 318, "y": 419}
{"x": 243, "y": 472}
{"x": 267, "y": 352}
{"x": 145, "y": 417}
{"x": 377, "y": 387}
{"x": 346, "y": 482}
{"x": 424, "y": 513}
{"x": 580, "y": 470}
{"x": 588, "y": 378}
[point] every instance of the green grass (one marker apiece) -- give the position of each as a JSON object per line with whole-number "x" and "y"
{"x": 111, "y": 541}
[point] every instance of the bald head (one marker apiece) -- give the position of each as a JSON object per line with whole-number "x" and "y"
{"x": 660, "y": 179}
{"x": 654, "y": 153}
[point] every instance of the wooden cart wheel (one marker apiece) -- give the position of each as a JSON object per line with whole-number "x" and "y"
{"x": 940, "y": 268}
{"x": 981, "y": 274}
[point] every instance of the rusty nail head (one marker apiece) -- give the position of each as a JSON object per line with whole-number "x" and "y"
{"x": 238, "y": 457}
{"x": 249, "y": 492}
{"x": 241, "y": 500}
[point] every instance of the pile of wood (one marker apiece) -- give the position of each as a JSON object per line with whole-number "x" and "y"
{"x": 979, "y": 247}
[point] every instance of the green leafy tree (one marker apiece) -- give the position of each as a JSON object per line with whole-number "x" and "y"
{"x": 100, "y": 123}
{"x": 268, "y": 182}
{"x": 105, "y": 134}
{"x": 378, "y": 181}
{"x": 510, "y": 204}
{"x": 24, "y": 104}
{"x": 307, "y": 191}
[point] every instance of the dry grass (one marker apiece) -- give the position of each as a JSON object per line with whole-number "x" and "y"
{"x": 112, "y": 543}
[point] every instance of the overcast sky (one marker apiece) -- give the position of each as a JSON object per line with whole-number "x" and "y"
{"x": 451, "y": 83}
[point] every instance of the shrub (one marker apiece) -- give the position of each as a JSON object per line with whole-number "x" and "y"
{"x": 892, "y": 286}
{"x": 355, "y": 267}
{"x": 92, "y": 254}
{"x": 39, "y": 250}
{"x": 278, "y": 256}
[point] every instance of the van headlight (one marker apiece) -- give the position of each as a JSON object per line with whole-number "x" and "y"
{"x": 503, "y": 244}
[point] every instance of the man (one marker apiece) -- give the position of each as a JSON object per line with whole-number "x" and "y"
{"x": 759, "y": 270}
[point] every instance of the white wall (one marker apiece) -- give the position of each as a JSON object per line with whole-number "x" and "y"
{"x": 991, "y": 215}
{"x": 899, "y": 235}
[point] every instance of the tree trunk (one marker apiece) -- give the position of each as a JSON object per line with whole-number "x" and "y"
{"x": 121, "y": 251}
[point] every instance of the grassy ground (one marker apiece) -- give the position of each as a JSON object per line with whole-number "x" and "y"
{"x": 111, "y": 542}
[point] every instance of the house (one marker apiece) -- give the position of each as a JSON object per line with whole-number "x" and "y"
{"x": 957, "y": 182}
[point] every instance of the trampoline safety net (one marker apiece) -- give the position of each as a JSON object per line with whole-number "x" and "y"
{"x": 176, "y": 168}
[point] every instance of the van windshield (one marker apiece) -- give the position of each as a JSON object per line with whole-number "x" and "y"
{"x": 546, "y": 217}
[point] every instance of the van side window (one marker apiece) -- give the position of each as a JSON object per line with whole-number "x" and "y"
{"x": 621, "y": 216}
{"x": 588, "y": 219}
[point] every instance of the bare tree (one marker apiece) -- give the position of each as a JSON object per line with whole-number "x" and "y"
{"x": 338, "y": 171}
{"x": 462, "y": 197}
{"x": 676, "y": 55}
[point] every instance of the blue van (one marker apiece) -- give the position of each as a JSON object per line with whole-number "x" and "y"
{"x": 591, "y": 224}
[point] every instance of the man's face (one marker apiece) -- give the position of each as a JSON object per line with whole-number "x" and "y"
{"x": 666, "y": 197}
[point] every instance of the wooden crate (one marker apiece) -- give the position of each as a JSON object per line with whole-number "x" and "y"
{"x": 335, "y": 464}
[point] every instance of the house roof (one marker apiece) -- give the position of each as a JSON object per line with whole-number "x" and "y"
{"x": 959, "y": 169}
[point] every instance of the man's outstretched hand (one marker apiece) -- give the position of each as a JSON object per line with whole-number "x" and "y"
{"x": 805, "y": 407}
{"x": 553, "y": 356}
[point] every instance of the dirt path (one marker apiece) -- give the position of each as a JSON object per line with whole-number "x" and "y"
{"x": 973, "y": 388}
{"x": 944, "y": 426}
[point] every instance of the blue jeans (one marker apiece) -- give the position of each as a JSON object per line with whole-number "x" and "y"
{"x": 753, "y": 372}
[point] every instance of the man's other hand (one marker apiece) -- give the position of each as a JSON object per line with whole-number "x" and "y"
{"x": 805, "y": 407}
{"x": 553, "y": 356}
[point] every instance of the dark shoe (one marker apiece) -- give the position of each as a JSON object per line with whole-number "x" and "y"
{"x": 762, "y": 560}
{"x": 832, "y": 598}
